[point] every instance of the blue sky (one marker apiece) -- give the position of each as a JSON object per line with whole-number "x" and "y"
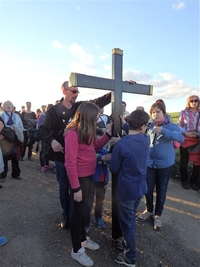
{"x": 41, "y": 42}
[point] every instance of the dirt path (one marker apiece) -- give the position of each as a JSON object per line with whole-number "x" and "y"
{"x": 30, "y": 216}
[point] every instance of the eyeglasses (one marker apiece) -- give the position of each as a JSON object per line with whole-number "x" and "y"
{"x": 73, "y": 91}
{"x": 195, "y": 100}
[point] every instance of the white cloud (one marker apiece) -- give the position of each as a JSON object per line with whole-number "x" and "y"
{"x": 135, "y": 75}
{"x": 104, "y": 56}
{"x": 56, "y": 44}
{"x": 165, "y": 85}
{"x": 178, "y": 5}
{"x": 107, "y": 67}
{"x": 83, "y": 62}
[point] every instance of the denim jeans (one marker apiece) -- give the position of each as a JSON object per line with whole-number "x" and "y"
{"x": 160, "y": 178}
{"x": 77, "y": 221}
{"x": 126, "y": 212}
{"x": 64, "y": 188}
{"x": 100, "y": 189}
{"x": 184, "y": 160}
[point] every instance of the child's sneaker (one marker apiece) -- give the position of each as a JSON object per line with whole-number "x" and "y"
{"x": 100, "y": 223}
{"x": 122, "y": 259}
{"x": 48, "y": 167}
{"x": 157, "y": 222}
{"x": 145, "y": 215}
{"x": 82, "y": 258}
{"x": 43, "y": 169}
{"x": 3, "y": 240}
{"x": 119, "y": 243}
{"x": 88, "y": 243}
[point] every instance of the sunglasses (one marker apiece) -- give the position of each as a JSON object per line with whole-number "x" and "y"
{"x": 73, "y": 91}
{"x": 195, "y": 100}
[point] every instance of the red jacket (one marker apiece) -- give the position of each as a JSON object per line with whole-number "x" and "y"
{"x": 193, "y": 145}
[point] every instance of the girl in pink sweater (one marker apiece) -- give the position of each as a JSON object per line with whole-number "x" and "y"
{"x": 80, "y": 163}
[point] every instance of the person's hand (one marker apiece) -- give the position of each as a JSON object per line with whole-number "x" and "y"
{"x": 56, "y": 146}
{"x": 122, "y": 120}
{"x": 157, "y": 129}
{"x": 191, "y": 134}
{"x": 113, "y": 140}
{"x": 78, "y": 196}
{"x": 131, "y": 82}
{"x": 1, "y": 125}
{"x": 109, "y": 128}
{"x": 106, "y": 157}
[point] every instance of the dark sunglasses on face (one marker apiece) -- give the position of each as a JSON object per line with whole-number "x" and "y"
{"x": 195, "y": 100}
{"x": 74, "y": 91}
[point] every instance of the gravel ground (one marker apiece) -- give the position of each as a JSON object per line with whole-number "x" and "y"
{"x": 30, "y": 215}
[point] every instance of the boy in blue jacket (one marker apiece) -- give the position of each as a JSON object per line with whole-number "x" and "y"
{"x": 129, "y": 160}
{"x": 101, "y": 178}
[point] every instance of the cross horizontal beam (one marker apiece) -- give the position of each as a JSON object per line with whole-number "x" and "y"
{"x": 87, "y": 81}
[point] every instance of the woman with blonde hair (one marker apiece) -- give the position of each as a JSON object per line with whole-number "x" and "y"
{"x": 80, "y": 163}
{"x": 189, "y": 123}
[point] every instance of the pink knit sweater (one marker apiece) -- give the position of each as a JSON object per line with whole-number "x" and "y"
{"x": 80, "y": 159}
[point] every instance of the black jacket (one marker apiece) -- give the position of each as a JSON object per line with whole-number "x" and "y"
{"x": 56, "y": 119}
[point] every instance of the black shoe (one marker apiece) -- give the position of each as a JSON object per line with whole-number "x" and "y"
{"x": 194, "y": 186}
{"x": 122, "y": 259}
{"x": 1, "y": 186}
{"x": 186, "y": 185}
{"x": 18, "y": 177}
{"x": 65, "y": 223}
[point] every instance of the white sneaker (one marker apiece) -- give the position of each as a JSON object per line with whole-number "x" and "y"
{"x": 88, "y": 243}
{"x": 82, "y": 258}
{"x": 145, "y": 215}
{"x": 157, "y": 222}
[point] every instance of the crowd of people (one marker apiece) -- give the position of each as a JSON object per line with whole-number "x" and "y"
{"x": 76, "y": 136}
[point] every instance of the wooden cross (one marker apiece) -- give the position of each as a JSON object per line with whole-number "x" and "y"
{"x": 117, "y": 86}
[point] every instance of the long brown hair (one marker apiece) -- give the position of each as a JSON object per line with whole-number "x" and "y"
{"x": 85, "y": 121}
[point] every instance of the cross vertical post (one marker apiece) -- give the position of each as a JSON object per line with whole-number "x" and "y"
{"x": 117, "y": 70}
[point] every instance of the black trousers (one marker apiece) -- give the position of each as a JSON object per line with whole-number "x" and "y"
{"x": 28, "y": 142}
{"x": 15, "y": 168}
{"x": 77, "y": 221}
{"x": 184, "y": 160}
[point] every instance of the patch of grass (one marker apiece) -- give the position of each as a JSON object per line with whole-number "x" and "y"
{"x": 174, "y": 116}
